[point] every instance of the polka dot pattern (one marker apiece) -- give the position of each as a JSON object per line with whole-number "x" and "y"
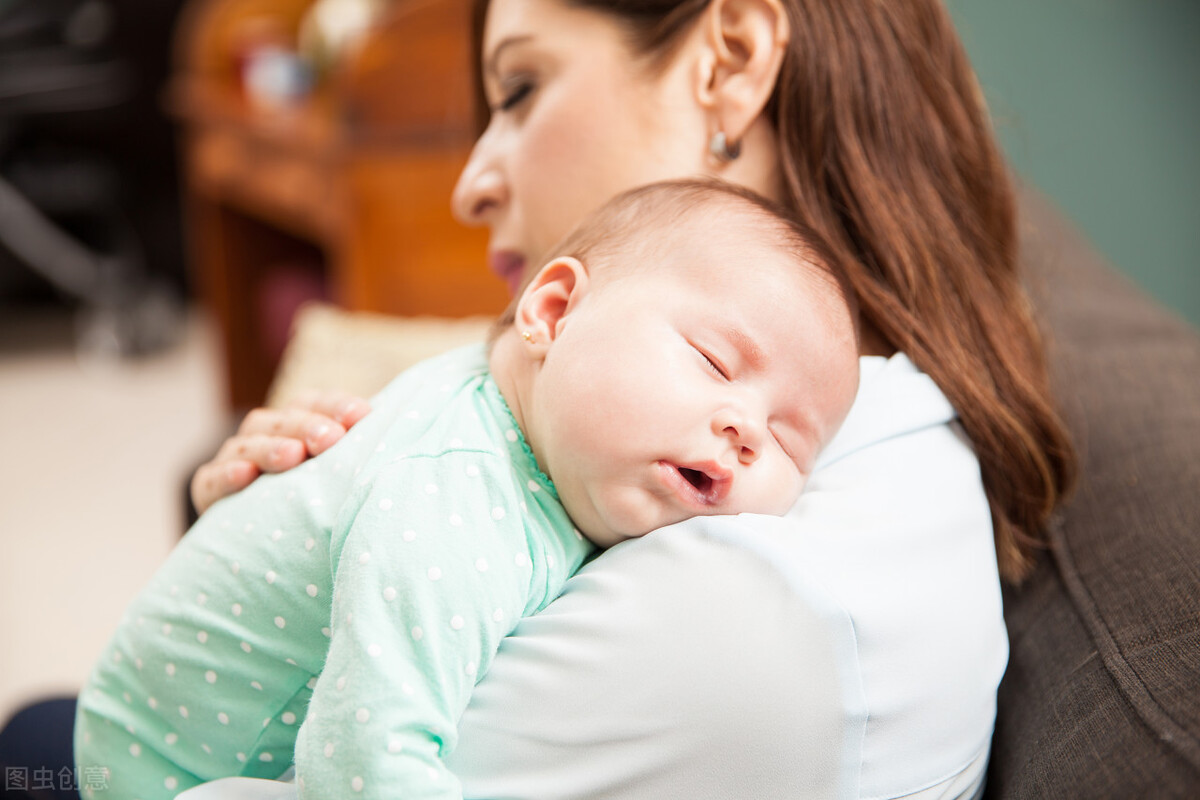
{"x": 231, "y": 629}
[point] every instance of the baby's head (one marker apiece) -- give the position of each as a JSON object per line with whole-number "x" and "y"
{"x": 689, "y": 352}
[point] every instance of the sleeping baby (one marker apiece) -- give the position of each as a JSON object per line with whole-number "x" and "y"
{"x": 688, "y": 353}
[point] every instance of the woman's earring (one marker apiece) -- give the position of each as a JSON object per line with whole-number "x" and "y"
{"x": 720, "y": 147}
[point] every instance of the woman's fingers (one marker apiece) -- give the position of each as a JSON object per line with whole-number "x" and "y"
{"x": 275, "y": 440}
{"x": 241, "y": 459}
{"x": 218, "y": 479}
{"x": 345, "y": 408}
{"x": 316, "y": 431}
{"x": 266, "y": 453}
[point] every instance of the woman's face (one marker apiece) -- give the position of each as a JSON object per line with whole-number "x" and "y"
{"x": 576, "y": 119}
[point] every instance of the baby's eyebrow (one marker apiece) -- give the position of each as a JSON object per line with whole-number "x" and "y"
{"x": 747, "y": 347}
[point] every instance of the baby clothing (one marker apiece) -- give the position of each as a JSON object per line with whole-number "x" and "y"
{"x": 341, "y": 611}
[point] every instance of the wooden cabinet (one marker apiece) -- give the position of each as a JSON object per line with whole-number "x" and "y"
{"x": 354, "y": 181}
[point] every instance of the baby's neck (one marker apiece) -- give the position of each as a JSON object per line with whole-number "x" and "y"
{"x": 514, "y": 375}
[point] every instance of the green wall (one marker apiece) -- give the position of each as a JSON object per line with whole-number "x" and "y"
{"x": 1097, "y": 103}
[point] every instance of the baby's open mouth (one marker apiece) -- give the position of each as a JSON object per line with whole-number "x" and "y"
{"x": 696, "y": 478}
{"x": 702, "y": 486}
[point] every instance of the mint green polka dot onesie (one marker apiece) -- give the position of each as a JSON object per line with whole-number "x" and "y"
{"x": 340, "y": 613}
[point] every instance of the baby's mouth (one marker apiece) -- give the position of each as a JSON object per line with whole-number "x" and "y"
{"x": 701, "y": 485}
{"x": 696, "y": 478}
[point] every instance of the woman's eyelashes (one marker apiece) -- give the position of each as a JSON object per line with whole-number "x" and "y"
{"x": 516, "y": 91}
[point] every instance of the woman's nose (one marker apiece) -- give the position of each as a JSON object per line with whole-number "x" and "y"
{"x": 744, "y": 430}
{"x": 481, "y": 191}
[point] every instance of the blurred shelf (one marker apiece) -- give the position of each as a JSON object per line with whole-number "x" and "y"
{"x": 357, "y": 177}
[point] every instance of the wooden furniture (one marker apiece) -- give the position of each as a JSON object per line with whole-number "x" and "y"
{"x": 355, "y": 180}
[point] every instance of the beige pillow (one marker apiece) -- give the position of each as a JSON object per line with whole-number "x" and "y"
{"x": 360, "y": 352}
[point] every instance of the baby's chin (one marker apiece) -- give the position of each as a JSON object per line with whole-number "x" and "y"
{"x": 613, "y": 523}
{"x": 608, "y": 524}
{"x": 604, "y": 531}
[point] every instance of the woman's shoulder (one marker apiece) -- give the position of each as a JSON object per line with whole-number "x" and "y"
{"x": 852, "y": 648}
{"x": 894, "y": 399}
{"x": 892, "y": 541}
{"x": 896, "y": 527}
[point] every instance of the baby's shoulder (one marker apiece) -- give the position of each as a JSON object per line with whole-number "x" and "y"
{"x": 443, "y": 414}
{"x": 427, "y": 381}
{"x": 414, "y": 402}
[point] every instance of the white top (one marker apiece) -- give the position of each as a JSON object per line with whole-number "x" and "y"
{"x": 850, "y": 649}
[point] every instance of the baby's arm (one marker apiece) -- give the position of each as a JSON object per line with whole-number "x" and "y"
{"x": 434, "y": 570}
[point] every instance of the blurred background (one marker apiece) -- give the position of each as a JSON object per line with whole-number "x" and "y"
{"x": 176, "y": 178}
{"x": 1097, "y": 103}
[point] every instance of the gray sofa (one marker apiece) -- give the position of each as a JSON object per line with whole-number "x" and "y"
{"x": 1102, "y": 694}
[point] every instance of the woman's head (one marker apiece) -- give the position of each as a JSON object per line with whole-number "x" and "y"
{"x": 862, "y": 117}
{"x": 582, "y": 107}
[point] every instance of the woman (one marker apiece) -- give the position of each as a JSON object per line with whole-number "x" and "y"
{"x": 854, "y": 647}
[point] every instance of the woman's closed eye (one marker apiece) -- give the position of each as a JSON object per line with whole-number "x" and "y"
{"x": 516, "y": 91}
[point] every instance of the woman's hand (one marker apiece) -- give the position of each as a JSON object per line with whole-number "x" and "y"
{"x": 275, "y": 440}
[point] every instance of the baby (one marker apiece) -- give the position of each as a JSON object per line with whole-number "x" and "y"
{"x": 690, "y": 353}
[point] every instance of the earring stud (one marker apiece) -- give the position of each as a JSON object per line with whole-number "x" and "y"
{"x": 527, "y": 336}
{"x": 720, "y": 147}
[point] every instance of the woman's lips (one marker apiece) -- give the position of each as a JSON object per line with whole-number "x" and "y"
{"x": 509, "y": 266}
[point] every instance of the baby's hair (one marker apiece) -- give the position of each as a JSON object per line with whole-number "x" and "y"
{"x": 635, "y": 221}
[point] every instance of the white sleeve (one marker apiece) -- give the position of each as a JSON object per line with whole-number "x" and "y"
{"x": 677, "y": 665}
{"x": 852, "y": 649}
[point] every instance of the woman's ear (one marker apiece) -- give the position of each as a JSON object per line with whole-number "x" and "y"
{"x": 547, "y": 302}
{"x": 745, "y": 41}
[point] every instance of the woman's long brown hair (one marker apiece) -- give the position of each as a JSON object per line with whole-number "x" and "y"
{"x": 887, "y": 151}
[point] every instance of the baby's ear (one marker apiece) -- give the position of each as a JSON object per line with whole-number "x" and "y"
{"x": 548, "y": 300}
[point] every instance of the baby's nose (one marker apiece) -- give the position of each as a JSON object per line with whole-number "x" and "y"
{"x": 743, "y": 431}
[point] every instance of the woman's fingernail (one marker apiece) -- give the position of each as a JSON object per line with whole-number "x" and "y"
{"x": 317, "y": 432}
{"x": 351, "y": 407}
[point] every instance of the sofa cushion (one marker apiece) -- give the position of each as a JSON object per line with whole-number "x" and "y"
{"x": 359, "y": 351}
{"x": 1102, "y": 694}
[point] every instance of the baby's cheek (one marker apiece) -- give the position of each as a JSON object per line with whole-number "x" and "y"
{"x": 787, "y": 485}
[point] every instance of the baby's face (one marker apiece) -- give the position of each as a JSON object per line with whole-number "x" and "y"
{"x": 703, "y": 385}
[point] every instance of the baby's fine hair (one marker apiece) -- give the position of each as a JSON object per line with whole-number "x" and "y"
{"x": 641, "y": 218}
